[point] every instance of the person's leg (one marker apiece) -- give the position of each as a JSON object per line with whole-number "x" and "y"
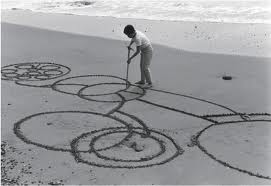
{"x": 147, "y": 56}
{"x": 143, "y": 79}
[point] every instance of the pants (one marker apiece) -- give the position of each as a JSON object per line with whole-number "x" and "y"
{"x": 145, "y": 61}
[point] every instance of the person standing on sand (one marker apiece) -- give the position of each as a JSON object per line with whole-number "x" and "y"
{"x": 144, "y": 47}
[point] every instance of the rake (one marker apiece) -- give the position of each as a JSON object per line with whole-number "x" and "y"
{"x": 127, "y": 70}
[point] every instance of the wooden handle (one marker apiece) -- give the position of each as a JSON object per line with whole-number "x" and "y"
{"x": 127, "y": 70}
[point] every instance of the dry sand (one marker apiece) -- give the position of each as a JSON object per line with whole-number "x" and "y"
{"x": 43, "y": 130}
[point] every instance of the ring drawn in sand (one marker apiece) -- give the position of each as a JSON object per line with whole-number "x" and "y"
{"x": 154, "y": 149}
{"x": 114, "y": 146}
{"x": 89, "y": 87}
{"x": 33, "y": 71}
{"x": 214, "y": 156}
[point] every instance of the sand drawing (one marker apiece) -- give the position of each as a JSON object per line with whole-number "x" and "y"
{"x": 35, "y": 71}
{"x": 113, "y": 143}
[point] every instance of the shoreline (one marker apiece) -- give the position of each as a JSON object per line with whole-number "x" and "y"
{"x": 242, "y": 39}
{"x": 143, "y": 19}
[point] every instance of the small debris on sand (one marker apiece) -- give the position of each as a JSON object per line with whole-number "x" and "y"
{"x": 227, "y": 77}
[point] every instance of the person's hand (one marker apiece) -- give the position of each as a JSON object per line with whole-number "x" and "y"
{"x": 129, "y": 61}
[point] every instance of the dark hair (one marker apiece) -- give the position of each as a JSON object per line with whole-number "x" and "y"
{"x": 129, "y": 29}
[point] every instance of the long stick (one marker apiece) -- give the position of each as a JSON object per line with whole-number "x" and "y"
{"x": 127, "y": 70}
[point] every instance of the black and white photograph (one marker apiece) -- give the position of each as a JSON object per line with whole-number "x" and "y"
{"x": 135, "y": 92}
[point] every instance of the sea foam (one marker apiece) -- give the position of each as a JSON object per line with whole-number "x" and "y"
{"x": 232, "y": 11}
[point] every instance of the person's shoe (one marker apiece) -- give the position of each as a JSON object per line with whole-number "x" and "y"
{"x": 140, "y": 83}
{"x": 149, "y": 85}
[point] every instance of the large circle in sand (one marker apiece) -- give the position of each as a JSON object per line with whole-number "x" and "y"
{"x": 139, "y": 151}
{"x": 240, "y": 145}
{"x": 55, "y": 130}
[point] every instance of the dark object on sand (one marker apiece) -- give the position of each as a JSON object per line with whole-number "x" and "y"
{"x": 227, "y": 77}
{"x": 83, "y": 3}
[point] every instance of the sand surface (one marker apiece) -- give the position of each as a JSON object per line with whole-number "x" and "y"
{"x": 67, "y": 117}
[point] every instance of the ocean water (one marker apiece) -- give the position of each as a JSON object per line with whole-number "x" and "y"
{"x": 230, "y": 11}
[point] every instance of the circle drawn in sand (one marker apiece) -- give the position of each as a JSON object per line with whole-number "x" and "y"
{"x": 67, "y": 124}
{"x": 100, "y": 88}
{"x": 244, "y": 141}
{"x": 33, "y": 71}
{"x": 159, "y": 149}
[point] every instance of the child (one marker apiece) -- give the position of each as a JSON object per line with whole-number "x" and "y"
{"x": 143, "y": 46}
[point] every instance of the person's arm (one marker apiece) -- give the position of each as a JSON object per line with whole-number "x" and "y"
{"x": 130, "y": 44}
{"x": 134, "y": 55}
{"x": 129, "y": 47}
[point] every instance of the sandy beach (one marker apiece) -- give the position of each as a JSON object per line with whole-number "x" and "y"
{"x": 63, "y": 93}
